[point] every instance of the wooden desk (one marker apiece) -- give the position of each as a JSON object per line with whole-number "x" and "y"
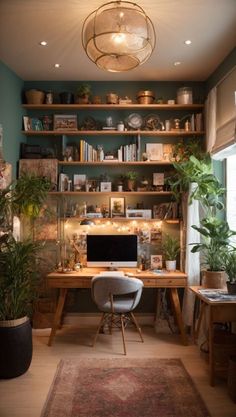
{"x": 218, "y": 311}
{"x": 82, "y": 279}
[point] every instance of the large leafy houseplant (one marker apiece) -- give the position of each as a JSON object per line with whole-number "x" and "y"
{"x": 19, "y": 273}
{"x": 215, "y": 232}
{"x": 19, "y": 277}
{"x": 216, "y": 242}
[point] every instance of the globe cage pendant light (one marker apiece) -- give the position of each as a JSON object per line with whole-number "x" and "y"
{"x": 118, "y": 36}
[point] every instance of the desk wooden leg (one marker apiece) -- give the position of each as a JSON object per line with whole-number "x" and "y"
{"x": 58, "y": 313}
{"x": 211, "y": 355}
{"x": 178, "y": 315}
{"x": 201, "y": 315}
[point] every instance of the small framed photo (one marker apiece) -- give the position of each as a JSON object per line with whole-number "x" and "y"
{"x": 117, "y": 207}
{"x": 156, "y": 261}
{"x": 158, "y": 178}
{"x": 79, "y": 181}
{"x": 154, "y": 151}
{"x": 65, "y": 122}
{"x": 27, "y": 124}
{"x": 138, "y": 214}
{"x": 105, "y": 187}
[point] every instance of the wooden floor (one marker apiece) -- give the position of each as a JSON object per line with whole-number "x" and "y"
{"x": 24, "y": 396}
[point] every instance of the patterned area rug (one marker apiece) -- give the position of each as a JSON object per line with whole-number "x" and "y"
{"x": 123, "y": 388}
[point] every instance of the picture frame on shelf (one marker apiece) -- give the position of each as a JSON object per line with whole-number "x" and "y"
{"x": 155, "y": 236}
{"x": 154, "y": 151}
{"x": 105, "y": 186}
{"x": 65, "y": 122}
{"x": 158, "y": 178}
{"x": 156, "y": 261}
{"x": 79, "y": 181}
{"x": 117, "y": 206}
{"x": 165, "y": 211}
{"x": 138, "y": 214}
{"x": 36, "y": 124}
{"x": 26, "y": 122}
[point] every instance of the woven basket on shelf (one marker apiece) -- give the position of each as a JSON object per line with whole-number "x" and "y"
{"x": 35, "y": 96}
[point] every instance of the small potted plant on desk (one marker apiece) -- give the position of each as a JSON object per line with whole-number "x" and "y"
{"x": 171, "y": 249}
{"x": 229, "y": 260}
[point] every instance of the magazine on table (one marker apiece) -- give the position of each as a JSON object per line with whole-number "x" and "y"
{"x": 217, "y": 295}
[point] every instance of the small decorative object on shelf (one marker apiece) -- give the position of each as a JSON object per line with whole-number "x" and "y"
{"x": 112, "y": 98}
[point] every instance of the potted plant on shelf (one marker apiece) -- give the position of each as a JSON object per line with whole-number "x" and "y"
{"x": 229, "y": 260}
{"x": 19, "y": 273}
{"x": 83, "y": 94}
{"x": 131, "y": 177}
{"x": 171, "y": 249}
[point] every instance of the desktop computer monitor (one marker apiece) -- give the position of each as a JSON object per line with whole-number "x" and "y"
{"x": 112, "y": 250}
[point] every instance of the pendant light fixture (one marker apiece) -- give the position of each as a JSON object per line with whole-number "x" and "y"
{"x": 118, "y": 36}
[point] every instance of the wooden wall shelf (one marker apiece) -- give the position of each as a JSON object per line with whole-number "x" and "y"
{"x": 113, "y": 106}
{"x": 111, "y": 132}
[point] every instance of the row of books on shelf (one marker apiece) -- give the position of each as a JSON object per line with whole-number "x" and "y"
{"x": 125, "y": 153}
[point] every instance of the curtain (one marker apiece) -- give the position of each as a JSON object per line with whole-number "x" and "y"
{"x": 192, "y": 260}
{"x": 210, "y": 119}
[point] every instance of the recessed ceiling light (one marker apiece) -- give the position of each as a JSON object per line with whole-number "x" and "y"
{"x": 176, "y": 63}
{"x": 43, "y": 43}
{"x": 57, "y": 65}
{"x": 188, "y": 42}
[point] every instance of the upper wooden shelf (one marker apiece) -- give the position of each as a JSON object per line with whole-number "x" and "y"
{"x": 113, "y": 106}
{"x": 112, "y": 163}
{"x": 111, "y": 193}
{"x": 111, "y": 132}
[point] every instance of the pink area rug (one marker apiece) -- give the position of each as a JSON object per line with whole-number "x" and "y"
{"x": 123, "y": 388}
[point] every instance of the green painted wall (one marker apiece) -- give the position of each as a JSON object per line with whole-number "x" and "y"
{"x": 228, "y": 63}
{"x": 11, "y": 114}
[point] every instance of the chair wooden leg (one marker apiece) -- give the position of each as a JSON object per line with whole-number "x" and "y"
{"x": 137, "y": 326}
{"x": 123, "y": 332}
{"x": 98, "y": 329}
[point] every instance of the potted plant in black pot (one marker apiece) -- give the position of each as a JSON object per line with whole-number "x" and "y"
{"x": 229, "y": 260}
{"x": 19, "y": 280}
{"x": 19, "y": 273}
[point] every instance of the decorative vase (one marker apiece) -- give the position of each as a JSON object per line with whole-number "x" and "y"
{"x": 171, "y": 266}
{"x": 66, "y": 98}
{"x": 16, "y": 347}
{"x": 214, "y": 279}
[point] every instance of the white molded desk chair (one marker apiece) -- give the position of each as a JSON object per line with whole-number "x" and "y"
{"x": 116, "y": 296}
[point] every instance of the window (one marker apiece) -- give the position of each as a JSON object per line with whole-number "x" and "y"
{"x": 231, "y": 191}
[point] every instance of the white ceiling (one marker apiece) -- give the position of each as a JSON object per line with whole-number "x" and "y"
{"x": 210, "y": 24}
